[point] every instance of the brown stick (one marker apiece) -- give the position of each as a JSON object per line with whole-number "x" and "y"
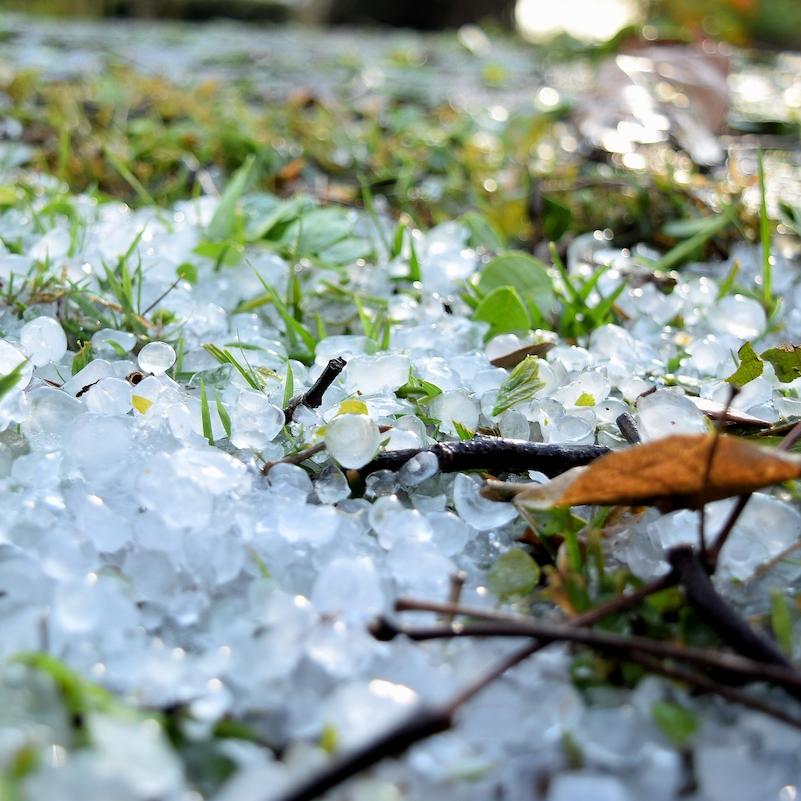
{"x": 608, "y": 642}
{"x": 313, "y": 396}
{"x": 427, "y": 720}
{"x": 494, "y": 454}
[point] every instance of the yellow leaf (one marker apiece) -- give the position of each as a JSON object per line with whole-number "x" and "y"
{"x": 352, "y": 406}
{"x": 141, "y": 403}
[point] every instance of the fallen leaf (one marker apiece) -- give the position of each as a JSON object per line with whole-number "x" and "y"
{"x": 719, "y": 411}
{"x": 511, "y": 360}
{"x": 670, "y": 473}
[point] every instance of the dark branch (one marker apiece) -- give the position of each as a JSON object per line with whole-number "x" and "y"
{"x": 427, "y": 721}
{"x": 718, "y": 615}
{"x": 494, "y": 454}
{"x": 621, "y": 645}
{"x": 313, "y": 396}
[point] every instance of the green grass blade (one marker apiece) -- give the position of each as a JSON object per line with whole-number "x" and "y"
{"x": 205, "y": 414}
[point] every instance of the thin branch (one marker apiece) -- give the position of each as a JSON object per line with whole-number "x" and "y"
{"x": 313, "y": 396}
{"x": 694, "y": 679}
{"x": 713, "y": 553}
{"x": 621, "y": 645}
{"x": 718, "y": 615}
{"x": 628, "y": 428}
{"x": 427, "y": 720}
{"x": 494, "y": 454}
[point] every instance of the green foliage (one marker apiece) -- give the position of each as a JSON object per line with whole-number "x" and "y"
{"x": 205, "y": 414}
{"x": 521, "y": 385}
{"x": 224, "y": 222}
{"x": 527, "y": 276}
{"x": 677, "y": 722}
{"x": 10, "y": 380}
{"x": 785, "y": 359}
{"x": 513, "y": 573}
{"x": 781, "y": 621}
{"x": 749, "y": 368}
{"x": 504, "y": 310}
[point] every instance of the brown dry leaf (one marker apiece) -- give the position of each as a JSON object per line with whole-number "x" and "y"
{"x": 511, "y": 360}
{"x": 670, "y": 473}
{"x": 719, "y": 411}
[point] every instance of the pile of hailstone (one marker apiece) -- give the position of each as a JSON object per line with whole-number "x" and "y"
{"x": 171, "y": 571}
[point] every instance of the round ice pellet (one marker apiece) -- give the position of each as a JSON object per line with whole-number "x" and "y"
{"x": 352, "y": 439}
{"x": 43, "y": 340}
{"x": 156, "y": 358}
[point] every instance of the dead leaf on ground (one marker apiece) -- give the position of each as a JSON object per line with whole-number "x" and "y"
{"x": 719, "y": 411}
{"x": 511, "y": 360}
{"x": 670, "y": 473}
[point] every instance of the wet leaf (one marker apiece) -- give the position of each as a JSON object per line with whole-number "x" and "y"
{"x": 513, "y": 573}
{"x": 786, "y": 361}
{"x": 521, "y": 385}
{"x": 719, "y": 411}
{"x": 670, "y": 473}
{"x": 675, "y": 721}
{"x": 526, "y": 275}
{"x": 510, "y": 360}
{"x": 750, "y": 367}
{"x": 503, "y": 309}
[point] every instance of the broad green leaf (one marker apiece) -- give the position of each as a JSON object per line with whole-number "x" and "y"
{"x": 318, "y": 230}
{"x": 556, "y": 218}
{"x": 482, "y": 232}
{"x": 524, "y": 273}
{"x": 504, "y": 310}
{"x": 521, "y": 385}
{"x": 223, "y": 223}
{"x": 786, "y": 361}
{"x": 346, "y": 251}
{"x": 187, "y": 271}
{"x": 514, "y": 573}
{"x": 750, "y": 367}
{"x": 676, "y": 722}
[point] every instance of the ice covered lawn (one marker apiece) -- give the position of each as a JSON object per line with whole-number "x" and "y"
{"x": 142, "y": 547}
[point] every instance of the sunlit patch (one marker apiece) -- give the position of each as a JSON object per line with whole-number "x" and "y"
{"x": 398, "y": 693}
{"x": 587, "y": 20}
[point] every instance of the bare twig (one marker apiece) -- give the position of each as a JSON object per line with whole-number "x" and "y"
{"x": 695, "y": 679}
{"x": 628, "y": 428}
{"x": 313, "y": 396}
{"x": 718, "y": 615}
{"x": 494, "y": 454}
{"x": 621, "y": 645}
{"x": 428, "y": 720}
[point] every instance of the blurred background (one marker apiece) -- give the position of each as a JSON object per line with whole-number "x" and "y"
{"x": 762, "y": 23}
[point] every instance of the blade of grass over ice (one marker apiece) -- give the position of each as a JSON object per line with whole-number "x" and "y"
{"x": 223, "y": 223}
{"x": 10, "y": 380}
{"x": 764, "y": 236}
{"x": 224, "y": 356}
{"x": 295, "y": 328}
{"x": 205, "y": 414}
{"x": 222, "y": 412}
{"x": 684, "y": 250}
